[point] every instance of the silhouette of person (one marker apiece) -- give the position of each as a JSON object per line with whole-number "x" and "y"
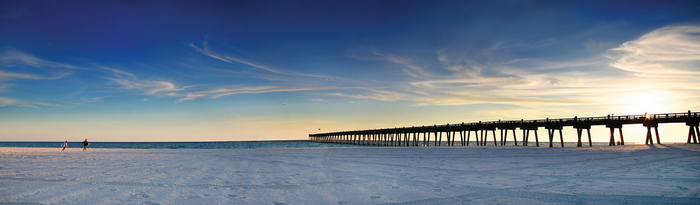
{"x": 85, "y": 144}
{"x": 64, "y": 145}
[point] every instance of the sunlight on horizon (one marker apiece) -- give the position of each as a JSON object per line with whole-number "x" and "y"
{"x": 640, "y": 103}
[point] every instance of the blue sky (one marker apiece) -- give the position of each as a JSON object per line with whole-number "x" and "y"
{"x": 274, "y": 70}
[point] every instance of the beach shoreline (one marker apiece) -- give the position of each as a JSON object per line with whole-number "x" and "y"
{"x": 659, "y": 174}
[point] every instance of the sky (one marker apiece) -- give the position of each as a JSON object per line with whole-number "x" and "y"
{"x": 280, "y": 70}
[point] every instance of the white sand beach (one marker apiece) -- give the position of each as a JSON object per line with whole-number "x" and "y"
{"x": 659, "y": 174}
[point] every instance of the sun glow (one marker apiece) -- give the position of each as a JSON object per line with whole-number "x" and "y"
{"x": 640, "y": 103}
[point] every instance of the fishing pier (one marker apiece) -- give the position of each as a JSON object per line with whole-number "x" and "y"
{"x": 410, "y": 136}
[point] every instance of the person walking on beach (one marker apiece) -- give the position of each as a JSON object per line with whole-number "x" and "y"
{"x": 64, "y": 145}
{"x": 85, "y": 144}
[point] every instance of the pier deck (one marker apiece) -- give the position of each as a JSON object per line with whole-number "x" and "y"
{"x": 410, "y": 136}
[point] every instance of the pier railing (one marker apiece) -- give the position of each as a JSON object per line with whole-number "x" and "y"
{"x": 410, "y": 136}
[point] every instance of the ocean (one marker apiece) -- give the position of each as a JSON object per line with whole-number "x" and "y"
{"x": 235, "y": 144}
{"x": 181, "y": 145}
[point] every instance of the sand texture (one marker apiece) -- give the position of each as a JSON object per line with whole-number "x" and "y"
{"x": 634, "y": 174}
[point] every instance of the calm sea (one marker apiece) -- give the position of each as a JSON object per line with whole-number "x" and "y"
{"x": 181, "y": 145}
{"x": 229, "y": 144}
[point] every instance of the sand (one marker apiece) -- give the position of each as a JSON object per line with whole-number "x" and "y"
{"x": 660, "y": 174}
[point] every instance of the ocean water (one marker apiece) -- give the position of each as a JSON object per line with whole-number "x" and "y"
{"x": 240, "y": 144}
{"x": 181, "y": 145}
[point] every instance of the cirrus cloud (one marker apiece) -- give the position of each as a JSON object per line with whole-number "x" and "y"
{"x": 668, "y": 50}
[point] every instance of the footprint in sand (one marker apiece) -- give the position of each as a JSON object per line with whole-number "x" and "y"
{"x": 375, "y": 197}
{"x": 193, "y": 197}
{"x": 279, "y": 203}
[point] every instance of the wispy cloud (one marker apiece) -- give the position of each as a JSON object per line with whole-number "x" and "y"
{"x": 58, "y": 75}
{"x": 279, "y": 79}
{"x": 410, "y": 68}
{"x": 4, "y": 74}
{"x": 668, "y": 50}
{"x": 457, "y": 99}
{"x": 148, "y": 86}
{"x": 90, "y": 100}
{"x": 510, "y": 82}
{"x": 205, "y": 50}
{"x": 33, "y": 68}
{"x": 118, "y": 72}
{"x": 273, "y": 73}
{"x": 12, "y": 57}
{"x": 19, "y": 103}
{"x": 524, "y": 81}
{"x": 380, "y": 94}
{"x": 220, "y": 92}
{"x": 151, "y": 87}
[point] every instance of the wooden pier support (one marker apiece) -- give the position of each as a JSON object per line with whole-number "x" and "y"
{"x": 504, "y": 138}
{"x": 693, "y": 132}
{"x": 551, "y": 131}
{"x": 494, "y": 137}
{"x": 425, "y": 135}
{"x": 368, "y": 139}
{"x": 485, "y": 134}
{"x": 448, "y": 135}
{"x": 612, "y": 127}
{"x": 579, "y": 132}
{"x": 526, "y": 135}
{"x": 483, "y": 138}
{"x": 416, "y": 138}
{"x": 551, "y": 127}
{"x": 405, "y": 139}
{"x": 436, "y": 136}
{"x": 476, "y": 137}
{"x": 651, "y": 124}
{"x": 438, "y": 142}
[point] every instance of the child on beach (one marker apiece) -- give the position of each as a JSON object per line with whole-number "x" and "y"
{"x": 85, "y": 144}
{"x": 64, "y": 145}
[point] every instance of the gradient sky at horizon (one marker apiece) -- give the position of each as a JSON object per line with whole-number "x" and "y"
{"x": 279, "y": 70}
